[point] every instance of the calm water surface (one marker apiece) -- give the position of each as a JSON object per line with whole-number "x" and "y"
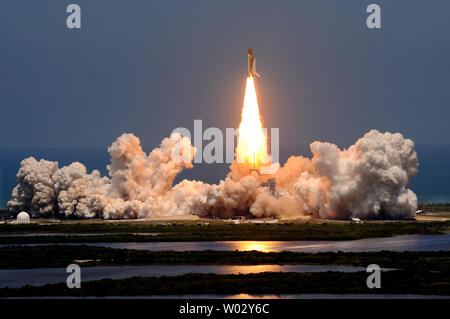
{"x": 397, "y": 243}
{"x": 41, "y": 276}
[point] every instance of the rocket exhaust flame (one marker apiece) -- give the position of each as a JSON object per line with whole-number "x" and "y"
{"x": 252, "y": 142}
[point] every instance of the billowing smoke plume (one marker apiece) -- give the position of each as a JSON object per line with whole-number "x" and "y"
{"x": 367, "y": 180}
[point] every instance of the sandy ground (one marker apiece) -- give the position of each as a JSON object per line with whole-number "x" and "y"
{"x": 434, "y": 217}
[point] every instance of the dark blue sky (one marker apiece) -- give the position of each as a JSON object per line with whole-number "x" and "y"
{"x": 148, "y": 67}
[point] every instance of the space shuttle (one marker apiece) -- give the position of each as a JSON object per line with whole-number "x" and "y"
{"x": 252, "y": 64}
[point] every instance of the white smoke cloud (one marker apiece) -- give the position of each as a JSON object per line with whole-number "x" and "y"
{"x": 367, "y": 180}
{"x": 34, "y": 191}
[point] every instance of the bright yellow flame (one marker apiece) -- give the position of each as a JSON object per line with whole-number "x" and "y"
{"x": 252, "y": 143}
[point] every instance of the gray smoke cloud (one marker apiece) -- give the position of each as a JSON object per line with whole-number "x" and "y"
{"x": 367, "y": 180}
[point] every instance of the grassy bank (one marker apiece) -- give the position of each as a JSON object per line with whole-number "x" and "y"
{"x": 218, "y": 231}
{"x": 393, "y": 282}
{"x": 61, "y": 256}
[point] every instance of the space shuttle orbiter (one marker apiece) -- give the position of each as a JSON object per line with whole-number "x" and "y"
{"x": 252, "y": 64}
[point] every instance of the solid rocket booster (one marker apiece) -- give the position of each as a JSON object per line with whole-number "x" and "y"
{"x": 252, "y": 64}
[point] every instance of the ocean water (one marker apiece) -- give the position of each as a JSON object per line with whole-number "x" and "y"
{"x": 431, "y": 184}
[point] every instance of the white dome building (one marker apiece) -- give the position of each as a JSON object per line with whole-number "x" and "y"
{"x": 23, "y": 218}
